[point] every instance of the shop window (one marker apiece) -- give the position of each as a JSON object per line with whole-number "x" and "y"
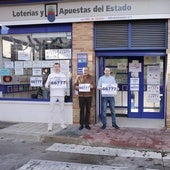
{"x": 27, "y": 59}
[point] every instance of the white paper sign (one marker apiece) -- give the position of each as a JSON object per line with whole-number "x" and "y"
{"x": 64, "y": 53}
{"x": 9, "y": 64}
{"x": 109, "y": 89}
{"x": 24, "y": 55}
{"x": 27, "y": 64}
{"x": 135, "y": 67}
{"x": 153, "y": 74}
{"x": 36, "y": 72}
{"x": 18, "y": 64}
{"x": 154, "y": 88}
{"x": 154, "y": 98}
{"x": 51, "y": 54}
{"x": 37, "y": 64}
{"x": 58, "y": 83}
{"x": 122, "y": 66}
{"x": 19, "y": 71}
{"x": 84, "y": 87}
{"x": 134, "y": 87}
{"x": 36, "y": 81}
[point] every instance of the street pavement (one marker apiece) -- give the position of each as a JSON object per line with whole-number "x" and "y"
{"x": 136, "y": 138}
{"x": 148, "y": 143}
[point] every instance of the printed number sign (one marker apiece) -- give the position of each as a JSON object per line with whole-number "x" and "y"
{"x": 109, "y": 89}
{"x": 84, "y": 87}
{"x": 58, "y": 83}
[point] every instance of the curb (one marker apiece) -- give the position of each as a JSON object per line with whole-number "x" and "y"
{"x": 82, "y": 141}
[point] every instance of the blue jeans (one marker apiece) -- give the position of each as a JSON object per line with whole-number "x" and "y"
{"x": 45, "y": 94}
{"x": 111, "y": 102}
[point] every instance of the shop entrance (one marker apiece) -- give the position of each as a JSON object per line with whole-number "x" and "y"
{"x": 141, "y": 85}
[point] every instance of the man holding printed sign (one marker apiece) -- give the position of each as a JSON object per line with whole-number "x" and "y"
{"x": 57, "y": 83}
{"x": 84, "y": 84}
{"x": 108, "y": 87}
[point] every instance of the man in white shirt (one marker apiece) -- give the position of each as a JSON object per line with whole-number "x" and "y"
{"x": 57, "y": 83}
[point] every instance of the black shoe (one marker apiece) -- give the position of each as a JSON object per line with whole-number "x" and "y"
{"x": 81, "y": 127}
{"x": 116, "y": 126}
{"x": 88, "y": 127}
{"x": 103, "y": 127}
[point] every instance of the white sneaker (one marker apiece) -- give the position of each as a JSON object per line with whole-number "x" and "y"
{"x": 63, "y": 126}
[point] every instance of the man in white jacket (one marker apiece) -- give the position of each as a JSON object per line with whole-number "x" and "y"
{"x": 57, "y": 83}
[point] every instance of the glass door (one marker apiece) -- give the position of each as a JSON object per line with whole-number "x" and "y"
{"x": 146, "y": 87}
{"x": 119, "y": 70}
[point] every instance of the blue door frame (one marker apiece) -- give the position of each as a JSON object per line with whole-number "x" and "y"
{"x": 142, "y": 88}
{"x": 141, "y": 113}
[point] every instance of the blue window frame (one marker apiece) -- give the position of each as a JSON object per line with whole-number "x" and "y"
{"x": 23, "y": 36}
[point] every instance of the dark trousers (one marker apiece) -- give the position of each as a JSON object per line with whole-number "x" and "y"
{"x": 85, "y": 103}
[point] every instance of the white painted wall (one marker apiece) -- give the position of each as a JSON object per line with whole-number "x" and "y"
{"x": 29, "y": 111}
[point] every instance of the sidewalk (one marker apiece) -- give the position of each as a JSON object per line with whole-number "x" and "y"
{"x": 134, "y": 138}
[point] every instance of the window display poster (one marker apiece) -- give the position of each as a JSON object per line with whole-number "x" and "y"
{"x": 27, "y": 64}
{"x": 134, "y": 84}
{"x": 135, "y": 67}
{"x": 64, "y": 65}
{"x": 122, "y": 66}
{"x": 4, "y": 72}
{"x": 153, "y": 74}
{"x": 64, "y": 54}
{"x": 153, "y": 88}
{"x": 36, "y": 81}
{"x": 37, "y": 64}
{"x": 19, "y": 71}
{"x": 36, "y": 71}
{"x": 9, "y": 64}
{"x": 134, "y": 80}
{"x": 47, "y": 64}
{"x": 18, "y": 64}
{"x": 52, "y": 54}
{"x": 134, "y": 87}
{"x": 154, "y": 98}
{"x": 24, "y": 55}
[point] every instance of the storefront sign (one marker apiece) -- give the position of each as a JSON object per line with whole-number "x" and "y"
{"x": 83, "y": 11}
{"x": 109, "y": 89}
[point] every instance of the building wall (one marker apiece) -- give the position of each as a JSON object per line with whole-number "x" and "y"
{"x": 168, "y": 79}
{"x": 82, "y": 39}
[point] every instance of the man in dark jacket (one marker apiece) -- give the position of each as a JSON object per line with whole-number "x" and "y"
{"x": 84, "y": 84}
